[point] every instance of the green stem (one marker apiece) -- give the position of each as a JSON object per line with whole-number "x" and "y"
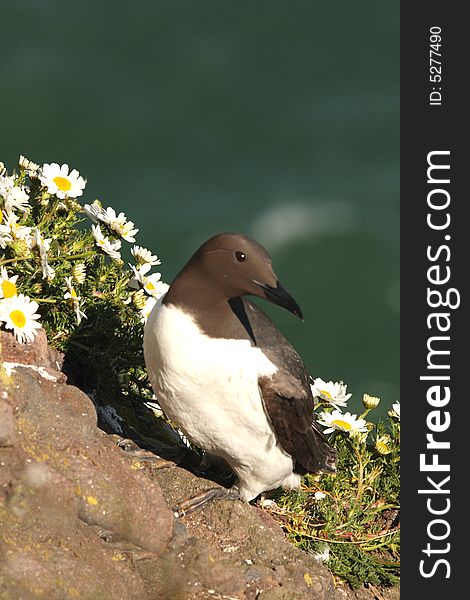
{"x": 359, "y": 542}
{"x": 73, "y": 257}
{"x": 48, "y": 214}
{"x": 53, "y": 259}
{"x": 12, "y": 260}
{"x": 360, "y": 475}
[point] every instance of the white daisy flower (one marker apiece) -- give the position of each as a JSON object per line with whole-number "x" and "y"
{"x": 395, "y": 412}
{"x": 5, "y": 234}
{"x": 43, "y": 246}
{"x": 70, "y": 294}
{"x": 105, "y": 244}
{"x": 7, "y": 284}
{"x": 15, "y": 196}
{"x": 139, "y": 273}
{"x": 60, "y": 182}
{"x": 48, "y": 272}
{"x": 147, "y": 309}
{"x": 341, "y": 422}
{"x": 96, "y": 212}
{"x": 319, "y": 495}
{"x": 19, "y": 313}
{"x": 154, "y": 287}
{"x": 29, "y": 166}
{"x": 117, "y": 223}
{"x": 40, "y": 242}
{"x": 121, "y": 225}
{"x": 151, "y": 283}
{"x": 161, "y": 289}
{"x": 145, "y": 257}
{"x": 74, "y": 298}
{"x": 18, "y": 232}
{"x": 333, "y": 393}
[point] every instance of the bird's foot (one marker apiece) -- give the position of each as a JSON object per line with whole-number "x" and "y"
{"x": 188, "y": 506}
{"x": 144, "y": 455}
{"x": 122, "y": 548}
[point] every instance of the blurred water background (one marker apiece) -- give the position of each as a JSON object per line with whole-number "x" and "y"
{"x": 277, "y": 119}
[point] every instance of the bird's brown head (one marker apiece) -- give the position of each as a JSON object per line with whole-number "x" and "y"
{"x": 230, "y": 265}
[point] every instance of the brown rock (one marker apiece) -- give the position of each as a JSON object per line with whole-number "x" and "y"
{"x": 62, "y": 482}
{"x": 57, "y": 425}
{"x": 7, "y": 424}
{"x": 47, "y": 551}
{"x": 233, "y": 550}
{"x": 37, "y": 353}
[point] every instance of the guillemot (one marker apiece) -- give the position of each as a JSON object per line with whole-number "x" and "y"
{"x": 226, "y": 376}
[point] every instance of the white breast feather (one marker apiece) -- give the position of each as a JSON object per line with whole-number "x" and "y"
{"x": 209, "y": 388}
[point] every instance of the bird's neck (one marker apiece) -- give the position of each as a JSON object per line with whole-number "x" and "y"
{"x": 216, "y": 316}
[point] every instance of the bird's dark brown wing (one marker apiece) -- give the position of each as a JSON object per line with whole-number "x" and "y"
{"x": 290, "y": 412}
{"x": 287, "y": 396}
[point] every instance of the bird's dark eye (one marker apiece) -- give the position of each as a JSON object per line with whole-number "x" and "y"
{"x": 240, "y": 256}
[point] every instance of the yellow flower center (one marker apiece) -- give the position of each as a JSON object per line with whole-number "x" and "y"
{"x": 1, "y": 215}
{"x": 18, "y": 318}
{"x": 8, "y": 288}
{"x": 325, "y": 393}
{"x": 62, "y": 183}
{"x": 343, "y": 424}
{"x": 150, "y": 286}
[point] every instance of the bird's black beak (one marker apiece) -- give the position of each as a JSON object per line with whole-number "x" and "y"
{"x": 279, "y": 296}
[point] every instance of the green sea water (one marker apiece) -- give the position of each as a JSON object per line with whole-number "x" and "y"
{"x": 277, "y": 119}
